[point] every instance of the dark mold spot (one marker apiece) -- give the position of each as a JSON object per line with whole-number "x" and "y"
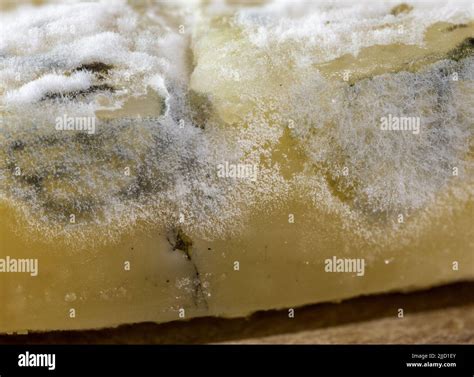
{"x": 96, "y": 67}
{"x": 463, "y": 50}
{"x": 33, "y": 180}
{"x": 79, "y": 93}
{"x": 401, "y": 8}
{"x": 455, "y": 27}
{"x": 17, "y": 145}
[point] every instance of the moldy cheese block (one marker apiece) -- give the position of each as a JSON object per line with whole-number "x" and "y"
{"x": 167, "y": 161}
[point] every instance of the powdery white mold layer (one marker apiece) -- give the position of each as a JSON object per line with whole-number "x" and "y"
{"x": 69, "y": 59}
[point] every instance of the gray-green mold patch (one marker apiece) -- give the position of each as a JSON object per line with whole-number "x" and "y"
{"x": 455, "y": 27}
